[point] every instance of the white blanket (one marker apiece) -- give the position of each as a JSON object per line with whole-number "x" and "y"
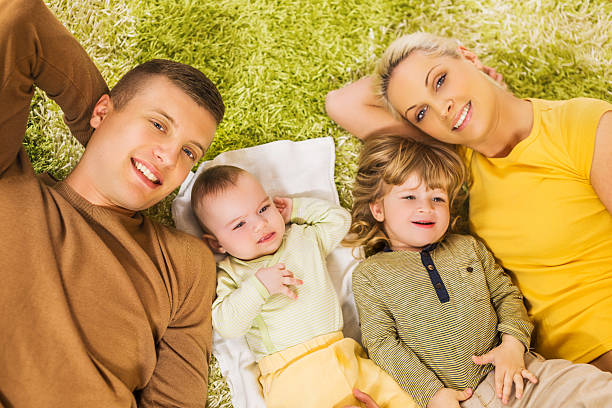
{"x": 284, "y": 168}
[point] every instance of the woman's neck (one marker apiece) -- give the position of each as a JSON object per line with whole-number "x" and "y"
{"x": 514, "y": 124}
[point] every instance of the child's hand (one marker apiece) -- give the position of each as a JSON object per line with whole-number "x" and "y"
{"x": 284, "y": 205}
{"x": 509, "y": 367}
{"x": 448, "y": 398}
{"x": 277, "y": 280}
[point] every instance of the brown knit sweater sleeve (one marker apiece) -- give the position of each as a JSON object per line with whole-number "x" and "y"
{"x": 36, "y": 49}
{"x": 180, "y": 378}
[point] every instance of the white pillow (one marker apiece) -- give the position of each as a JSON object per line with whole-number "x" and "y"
{"x": 284, "y": 168}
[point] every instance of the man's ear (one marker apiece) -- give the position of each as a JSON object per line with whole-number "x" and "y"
{"x": 470, "y": 56}
{"x": 377, "y": 210}
{"x": 213, "y": 243}
{"x": 102, "y": 108}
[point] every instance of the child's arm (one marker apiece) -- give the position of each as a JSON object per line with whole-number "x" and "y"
{"x": 328, "y": 222}
{"x": 513, "y": 323}
{"x": 379, "y": 335}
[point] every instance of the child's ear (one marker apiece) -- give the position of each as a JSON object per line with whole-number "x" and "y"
{"x": 213, "y": 243}
{"x": 377, "y": 210}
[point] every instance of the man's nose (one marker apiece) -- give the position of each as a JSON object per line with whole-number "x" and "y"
{"x": 166, "y": 153}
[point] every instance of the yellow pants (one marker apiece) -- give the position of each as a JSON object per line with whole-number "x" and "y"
{"x": 322, "y": 373}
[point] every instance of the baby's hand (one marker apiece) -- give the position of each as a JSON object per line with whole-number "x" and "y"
{"x": 448, "y": 398}
{"x": 284, "y": 205}
{"x": 509, "y": 367}
{"x": 277, "y": 280}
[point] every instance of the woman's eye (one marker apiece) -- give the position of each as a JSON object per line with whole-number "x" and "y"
{"x": 158, "y": 126}
{"x": 240, "y": 224}
{"x": 421, "y": 114}
{"x": 264, "y": 208}
{"x": 189, "y": 153}
{"x": 440, "y": 81}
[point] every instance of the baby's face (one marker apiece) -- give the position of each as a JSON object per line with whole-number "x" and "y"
{"x": 413, "y": 215}
{"x": 244, "y": 219}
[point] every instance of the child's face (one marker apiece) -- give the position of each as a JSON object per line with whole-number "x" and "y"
{"x": 243, "y": 220}
{"x": 413, "y": 215}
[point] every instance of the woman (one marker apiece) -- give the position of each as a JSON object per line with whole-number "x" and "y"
{"x": 541, "y": 191}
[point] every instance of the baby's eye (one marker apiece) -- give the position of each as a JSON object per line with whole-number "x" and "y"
{"x": 240, "y": 224}
{"x": 440, "y": 81}
{"x": 264, "y": 208}
{"x": 189, "y": 153}
{"x": 421, "y": 114}
{"x": 409, "y": 197}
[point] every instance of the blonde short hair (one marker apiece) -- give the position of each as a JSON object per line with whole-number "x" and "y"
{"x": 389, "y": 160}
{"x": 399, "y": 50}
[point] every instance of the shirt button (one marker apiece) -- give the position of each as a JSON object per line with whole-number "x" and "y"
{"x": 430, "y": 267}
{"x": 438, "y": 285}
{"x": 470, "y": 269}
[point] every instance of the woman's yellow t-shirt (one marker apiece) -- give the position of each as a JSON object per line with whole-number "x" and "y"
{"x": 538, "y": 213}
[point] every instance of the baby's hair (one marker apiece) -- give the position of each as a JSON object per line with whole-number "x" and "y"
{"x": 401, "y": 49}
{"x": 212, "y": 181}
{"x": 388, "y": 161}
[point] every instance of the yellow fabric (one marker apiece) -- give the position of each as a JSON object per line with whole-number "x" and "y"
{"x": 322, "y": 372}
{"x": 538, "y": 213}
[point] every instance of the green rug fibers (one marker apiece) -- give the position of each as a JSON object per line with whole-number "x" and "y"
{"x": 274, "y": 61}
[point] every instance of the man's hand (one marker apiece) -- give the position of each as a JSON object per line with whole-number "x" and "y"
{"x": 509, "y": 367}
{"x": 449, "y": 398}
{"x": 284, "y": 206}
{"x": 277, "y": 280}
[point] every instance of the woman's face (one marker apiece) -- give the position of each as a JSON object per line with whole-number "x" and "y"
{"x": 446, "y": 97}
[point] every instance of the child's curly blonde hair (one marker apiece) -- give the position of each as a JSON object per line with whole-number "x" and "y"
{"x": 389, "y": 160}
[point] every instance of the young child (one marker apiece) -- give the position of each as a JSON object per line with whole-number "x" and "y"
{"x": 437, "y": 313}
{"x": 274, "y": 288}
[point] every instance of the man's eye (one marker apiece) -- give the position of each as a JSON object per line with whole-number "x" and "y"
{"x": 409, "y": 197}
{"x": 264, "y": 208}
{"x": 240, "y": 224}
{"x": 189, "y": 153}
{"x": 440, "y": 81}
{"x": 421, "y": 114}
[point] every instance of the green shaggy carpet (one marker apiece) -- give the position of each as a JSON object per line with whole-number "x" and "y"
{"x": 275, "y": 60}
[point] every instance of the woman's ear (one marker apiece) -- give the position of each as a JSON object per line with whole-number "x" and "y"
{"x": 213, "y": 243}
{"x": 470, "y": 56}
{"x": 377, "y": 210}
{"x": 102, "y": 108}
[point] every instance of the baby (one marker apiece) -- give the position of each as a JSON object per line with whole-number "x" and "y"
{"x": 437, "y": 312}
{"x": 273, "y": 287}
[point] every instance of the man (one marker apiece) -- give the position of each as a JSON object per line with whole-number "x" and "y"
{"x": 99, "y": 306}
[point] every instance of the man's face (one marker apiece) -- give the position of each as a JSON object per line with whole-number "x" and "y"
{"x": 243, "y": 220}
{"x": 141, "y": 153}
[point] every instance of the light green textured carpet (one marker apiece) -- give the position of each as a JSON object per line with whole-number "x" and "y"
{"x": 274, "y": 61}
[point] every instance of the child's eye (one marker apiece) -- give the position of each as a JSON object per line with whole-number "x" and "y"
{"x": 409, "y": 197}
{"x": 440, "y": 81}
{"x": 240, "y": 224}
{"x": 264, "y": 208}
{"x": 189, "y": 153}
{"x": 421, "y": 114}
{"x": 439, "y": 199}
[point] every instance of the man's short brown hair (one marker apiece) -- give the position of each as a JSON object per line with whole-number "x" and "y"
{"x": 190, "y": 80}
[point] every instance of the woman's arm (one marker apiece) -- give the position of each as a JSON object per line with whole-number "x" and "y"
{"x": 601, "y": 168}
{"x": 357, "y": 110}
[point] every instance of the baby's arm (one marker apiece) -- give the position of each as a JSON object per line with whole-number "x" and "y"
{"x": 236, "y": 306}
{"x": 379, "y": 335}
{"x": 513, "y": 323}
{"x": 327, "y": 221}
